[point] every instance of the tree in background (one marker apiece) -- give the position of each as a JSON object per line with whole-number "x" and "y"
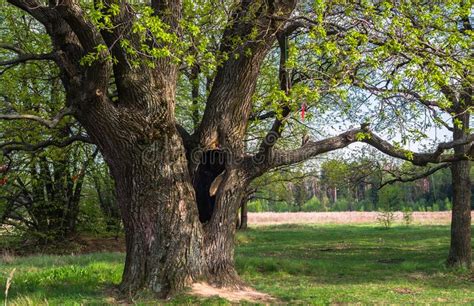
{"x": 41, "y": 189}
{"x": 42, "y": 196}
{"x": 365, "y": 184}
{"x": 417, "y": 58}
{"x": 103, "y": 185}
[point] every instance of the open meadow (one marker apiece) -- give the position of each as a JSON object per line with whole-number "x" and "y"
{"x": 293, "y": 263}
{"x": 346, "y": 217}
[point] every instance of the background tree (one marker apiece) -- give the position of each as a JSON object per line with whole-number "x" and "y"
{"x": 42, "y": 198}
{"x": 415, "y": 58}
{"x": 42, "y": 186}
{"x": 418, "y": 55}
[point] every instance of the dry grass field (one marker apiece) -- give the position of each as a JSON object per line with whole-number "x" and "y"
{"x": 349, "y": 217}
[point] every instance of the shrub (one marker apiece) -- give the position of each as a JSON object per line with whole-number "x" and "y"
{"x": 385, "y": 218}
{"x": 447, "y": 204}
{"x": 258, "y": 206}
{"x": 314, "y": 204}
{"x": 280, "y": 207}
{"x": 407, "y": 215}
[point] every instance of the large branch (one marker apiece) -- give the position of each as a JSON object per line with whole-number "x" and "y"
{"x": 229, "y": 103}
{"x": 96, "y": 75}
{"x": 9, "y": 147}
{"x": 122, "y": 29}
{"x": 65, "y": 43}
{"x": 419, "y": 159}
{"x": 310, "y": 149}
{"x": 85, "y": 31}
{"x": 43, "y": 14}
{"x": 137, "y": 85}
{"x": 72, "y": 33}
{"x": 313, "y": 148}
{"x": 47, "y": 123}
{"x": 27, "y": 57}
{"x": 285, "y": 85}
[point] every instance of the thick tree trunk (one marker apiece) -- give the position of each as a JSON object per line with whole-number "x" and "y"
{"x": 244, "y": 215}
{"x": 460, "y": 252}
{"x": 136, "y": 133}
{"x": 163, "y": 233}
{"x": 220, "y": 231}
{"x": 164, "y": 237}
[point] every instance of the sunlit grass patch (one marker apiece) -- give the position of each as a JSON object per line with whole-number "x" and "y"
{"x": 316, "y": 264}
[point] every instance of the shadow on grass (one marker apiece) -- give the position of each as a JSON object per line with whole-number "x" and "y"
{"x": 342, "y": 255}
{"x": 273, "y": 258}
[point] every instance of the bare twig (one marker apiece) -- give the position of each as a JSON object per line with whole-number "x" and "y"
{"x": 415, "y": 177}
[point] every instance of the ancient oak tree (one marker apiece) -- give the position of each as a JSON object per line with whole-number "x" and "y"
{"x": 120, "y": 64}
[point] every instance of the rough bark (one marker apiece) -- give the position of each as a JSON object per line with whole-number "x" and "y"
{"x": 157, "y": 203}
{"x": 146, "y": 157}
{"x": 244, "y": 215}
{"x": 163, "y": 234}
{"x": 220, "y": 231}
{"x": 460, "y": 252}
{"x": 228, "y": 106}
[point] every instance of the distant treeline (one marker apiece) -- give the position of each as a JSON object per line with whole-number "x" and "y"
{"x": 353, "y": 186}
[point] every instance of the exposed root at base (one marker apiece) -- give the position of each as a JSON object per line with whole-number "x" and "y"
{"x": 231, "y": 293}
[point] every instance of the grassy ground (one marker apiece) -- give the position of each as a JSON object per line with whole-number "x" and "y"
{"x": 294, "y": 263}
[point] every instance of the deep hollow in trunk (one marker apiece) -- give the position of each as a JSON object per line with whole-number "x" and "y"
{"x": 209, "y": 174}
{"x": 219, "y": 194}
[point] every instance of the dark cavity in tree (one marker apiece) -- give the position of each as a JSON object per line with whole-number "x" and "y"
{"x": 211, "y": 165}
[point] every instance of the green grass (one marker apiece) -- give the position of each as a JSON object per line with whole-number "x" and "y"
{"x": 298, "y": 264}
